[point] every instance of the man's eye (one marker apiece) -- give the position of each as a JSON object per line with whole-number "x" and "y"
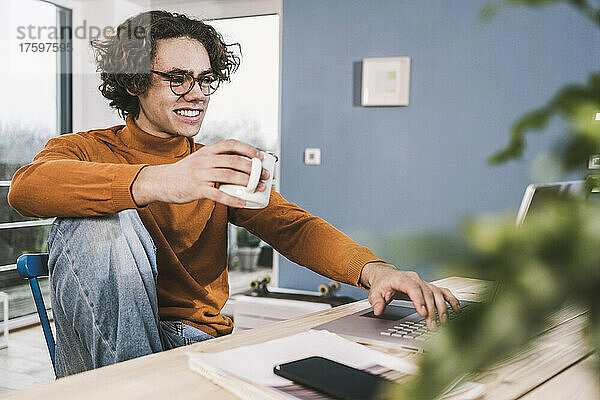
{"x": 177, "y": 80}
{"x": 209, "y": 79}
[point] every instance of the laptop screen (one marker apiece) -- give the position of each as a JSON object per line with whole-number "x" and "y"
{"x": 537, "y": 194}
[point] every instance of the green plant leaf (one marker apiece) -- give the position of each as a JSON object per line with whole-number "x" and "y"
{"x": 577, "y": 104}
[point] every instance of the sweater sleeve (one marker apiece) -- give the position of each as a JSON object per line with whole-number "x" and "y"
{"x": 62, "y": 182}
{"x": 305, "y": 239}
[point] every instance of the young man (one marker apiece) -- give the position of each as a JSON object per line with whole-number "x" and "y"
{"x": 143, "y": 265}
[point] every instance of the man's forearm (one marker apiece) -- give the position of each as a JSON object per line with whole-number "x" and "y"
{"x": 51, "y": 187}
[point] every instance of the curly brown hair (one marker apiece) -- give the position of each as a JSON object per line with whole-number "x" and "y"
{"x": 124, "y": 59}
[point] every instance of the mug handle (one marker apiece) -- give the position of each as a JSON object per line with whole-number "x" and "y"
{"x": 254, "y": 175}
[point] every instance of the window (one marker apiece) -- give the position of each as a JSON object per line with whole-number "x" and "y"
{"x": 35, "y": 105}
{"x": 247, "y": 109}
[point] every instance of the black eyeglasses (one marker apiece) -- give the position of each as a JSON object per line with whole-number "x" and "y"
{"x": 182, "y": 84}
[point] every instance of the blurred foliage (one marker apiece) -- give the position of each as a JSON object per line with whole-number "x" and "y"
{"x": 551, "y": 261}
{"x": 576, "y": 103}
{"x": 530, "y": 263}
{"x": 590, "y": 11}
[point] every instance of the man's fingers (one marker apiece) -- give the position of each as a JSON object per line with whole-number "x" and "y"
{"x": 440, "y": 304}
{"x": 223, "y": 198}
{"x": 416, "y": 296}
{"x": 378, "y": 308}
{"x": 224, "y": 175}
{"x": 427, "y": 298}
{"x": 430, "y": 303}
{"x": 231, "y": 161}
{"x": 264, "y": 174}
{"x": 238, "y": 163}
{"x": 451, "y": 299}
{"x": 377, "y": 302}
{"x": 234, "y": 146}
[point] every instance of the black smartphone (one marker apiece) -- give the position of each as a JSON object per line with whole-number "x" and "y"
{"x": 332, "y": 378}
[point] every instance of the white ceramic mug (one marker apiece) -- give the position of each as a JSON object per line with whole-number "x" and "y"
{"x": 253, "y": 198}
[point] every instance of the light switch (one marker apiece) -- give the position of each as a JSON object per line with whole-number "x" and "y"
{"x": 312, "y": 156}
{"x": 598, "y": 116}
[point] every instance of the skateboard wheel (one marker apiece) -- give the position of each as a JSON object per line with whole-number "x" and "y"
{"x": 323, "y": 289}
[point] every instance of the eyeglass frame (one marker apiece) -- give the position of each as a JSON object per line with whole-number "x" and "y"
{"x": 170, "y": 77}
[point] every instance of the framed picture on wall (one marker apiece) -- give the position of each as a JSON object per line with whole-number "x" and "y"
{"x": 385, "y": 81}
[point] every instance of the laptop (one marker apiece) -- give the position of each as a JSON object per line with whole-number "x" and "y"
{"x": 400, "y": 326}
{"x": 536, "y": 194}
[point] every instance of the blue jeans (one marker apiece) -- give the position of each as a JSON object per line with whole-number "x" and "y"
{"x": 103, "y": 289}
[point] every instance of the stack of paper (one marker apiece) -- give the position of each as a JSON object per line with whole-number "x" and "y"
{"x": 247, "y": 371}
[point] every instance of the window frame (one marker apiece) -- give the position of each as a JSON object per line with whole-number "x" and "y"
{"x": 64, "y": 117}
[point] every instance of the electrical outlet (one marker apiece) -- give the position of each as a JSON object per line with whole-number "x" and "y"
{"x": 312, "y": 156}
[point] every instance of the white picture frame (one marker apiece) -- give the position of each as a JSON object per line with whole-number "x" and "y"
{"x": 385, "y": 81}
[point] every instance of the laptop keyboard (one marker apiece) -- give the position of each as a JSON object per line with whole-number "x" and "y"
{"x": 418, "y": 329}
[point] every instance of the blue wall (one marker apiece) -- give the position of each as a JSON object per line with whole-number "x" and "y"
{"x": 392, "y": 171}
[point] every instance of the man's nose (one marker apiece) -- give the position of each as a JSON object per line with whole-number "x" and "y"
{"x": 195, "y": 94}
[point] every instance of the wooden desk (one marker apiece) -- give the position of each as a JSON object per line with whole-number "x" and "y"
{"x": 558, "y": 366}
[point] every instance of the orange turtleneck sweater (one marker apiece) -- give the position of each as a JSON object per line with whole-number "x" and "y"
{"x": 91, "y": 173}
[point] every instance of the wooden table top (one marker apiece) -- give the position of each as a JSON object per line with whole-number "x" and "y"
{"x": 559, "y": 365}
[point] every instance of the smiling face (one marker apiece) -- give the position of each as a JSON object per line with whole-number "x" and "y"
{"x": 163, "y": 113}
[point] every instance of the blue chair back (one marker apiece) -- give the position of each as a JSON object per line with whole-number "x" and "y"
{"x": 32, "y": 267}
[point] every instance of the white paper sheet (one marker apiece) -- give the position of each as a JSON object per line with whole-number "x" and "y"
{"x": 247, "y": 371}
{"x": 255, "y": 362}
